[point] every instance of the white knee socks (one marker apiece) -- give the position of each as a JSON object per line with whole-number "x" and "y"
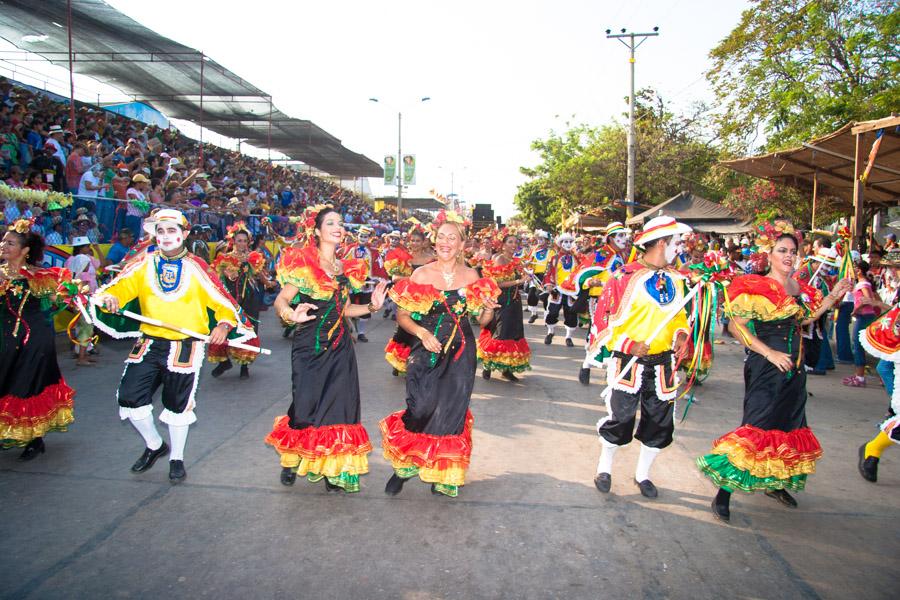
{"x": 586, "y": 363}
{"x": 148, "y": 431}
{"x": 607, "y": 452}
{"x": 645, "y": 461}
{"x": 550, "y": 328}
{"x": 178, "y": 438}
{"x": 569, "y": 332}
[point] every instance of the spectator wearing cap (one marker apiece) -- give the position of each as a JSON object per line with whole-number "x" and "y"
{"x": 55, "y": 139}
{"x": 90, "y": 185}
{"x": 85, "y": 226}
{"x": 134, "y": 214}
{"x": 52, "y": 170}
{"x": 119, "y": 248}
{"x": 890, "y": 241}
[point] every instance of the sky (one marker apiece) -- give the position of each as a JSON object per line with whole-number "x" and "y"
{"x": 499, "y": 74}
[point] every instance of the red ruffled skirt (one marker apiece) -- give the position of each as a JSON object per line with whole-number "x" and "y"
{"x": 24, "y": 419}
{"x": 441, "y": 459}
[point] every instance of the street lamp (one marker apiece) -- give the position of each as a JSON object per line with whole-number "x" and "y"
{"x": 399, "y": 162}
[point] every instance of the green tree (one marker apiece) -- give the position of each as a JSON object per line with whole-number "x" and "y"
{"x": 536, "y": 210}
{"x": 585, "y": 168}
{"x": 795, "y": 69}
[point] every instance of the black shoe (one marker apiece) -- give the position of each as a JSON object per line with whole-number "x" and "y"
{"x": 288, "y": 476}
{"x": 603, "y": 482}
{"x": 35, "y": 447}
{"x": 721, "y": 511}
{"x": 783, "y": 497}
{"x": 362, "y": 338}
{"x": 648, "y": 490}
{"x": 176, "y": 471}
{"x": 486, "y": 374}
{"x": 509, "y": 376}
{"x": 221, "y": 368}
{"x": 868, "y": 466}
{"x": 395, "y": 372}
{"x": 331, "y": 487}
{"x": 394, "y": 485}
{"x": 817, "y": 372}
{"x": 584, "y": 376}
{"x": 570, "y": 343}
{"x": 245, "y": 372}
{"x": 532, "y": 319}
{"x": 549, "y": 339}
{"x": 148, "y": 458}
{"x": 386, "y": 313}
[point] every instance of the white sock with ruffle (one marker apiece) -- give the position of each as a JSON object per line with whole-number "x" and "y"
{"x": 178, "y": 437}
{"x": 645, "y": 461}
{"x": 607, "y": 452}
{"x": 147, "y": 429}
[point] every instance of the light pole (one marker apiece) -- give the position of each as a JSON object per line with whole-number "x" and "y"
{"x": 630, "y": 44}
{"x": 399, "y": 162}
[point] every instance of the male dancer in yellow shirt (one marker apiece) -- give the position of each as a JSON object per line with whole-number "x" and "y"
{"x": 178, "y": 288}
{"x": 632, "y": 305}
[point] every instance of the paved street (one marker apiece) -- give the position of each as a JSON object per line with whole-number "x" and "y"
{"x": 528, "y": 524}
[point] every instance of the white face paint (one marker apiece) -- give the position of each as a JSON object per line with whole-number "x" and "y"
{"x": 169, "y": 237}
{"x": 619, "y": 240}
{"x": 672, "y": 249}
{"x": 566, "y": 245}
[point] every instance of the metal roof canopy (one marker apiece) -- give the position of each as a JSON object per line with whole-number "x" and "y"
{"x": 178, "y": 80}
{"x": 701, "y": 214}
{"x": 834, "y": 163}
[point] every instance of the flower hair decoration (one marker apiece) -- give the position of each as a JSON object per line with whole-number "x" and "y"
{"x": 23, "y": 226}
{"x": 769, "y": 231}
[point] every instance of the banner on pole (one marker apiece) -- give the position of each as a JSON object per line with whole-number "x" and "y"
{"x": 390, "y": 168}
{"x": 409, "y": 169}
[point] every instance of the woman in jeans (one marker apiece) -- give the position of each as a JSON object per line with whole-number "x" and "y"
{"x": 865, "y": 313}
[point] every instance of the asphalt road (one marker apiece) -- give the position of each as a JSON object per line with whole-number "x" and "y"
{"x": 528, "y": 524}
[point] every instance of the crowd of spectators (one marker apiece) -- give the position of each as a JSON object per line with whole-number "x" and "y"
{"x": 118, "y": 169}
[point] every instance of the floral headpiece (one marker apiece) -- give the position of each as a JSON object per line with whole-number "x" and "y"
{"x": 309, "y": 219}
{"x": 23, "y": 226}
{"x": 769, "y": 231}
{"x": 238, "y": 227}
{"x": 415, "y": 226}
{"x": 450, "y": 216}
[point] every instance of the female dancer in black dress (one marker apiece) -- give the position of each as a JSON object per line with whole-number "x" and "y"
{"x": 321, "y": 436}
{"x": 396, "y": 352}
{"x": 502, "y": 345}
{"x": 773, "y": 450}
{"x": 432, "y": 438}
{"x": 34, "y": 397}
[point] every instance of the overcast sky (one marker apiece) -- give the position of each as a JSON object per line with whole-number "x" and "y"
{"x": 499, "y": 74}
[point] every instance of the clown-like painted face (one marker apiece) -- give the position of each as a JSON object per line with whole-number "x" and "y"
{"x": 619, "y": 240}
{"x": 169, "y": 236}
{"x": 672, "y": 249}
{"x": 567, "y": 244}
{"x": 363, "y": 239}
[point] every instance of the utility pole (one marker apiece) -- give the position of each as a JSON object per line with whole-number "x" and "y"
{"x": 399, "y": 168}
{"x": 632, "y": 150}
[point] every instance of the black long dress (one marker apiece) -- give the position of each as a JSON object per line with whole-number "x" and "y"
{"x": 396, "y": 353}
{"x": 502, "y": 345}
{"x": 321, "y": 434}
{"x": 432, "y": 438}
{"x": 773, "y": 448}
{"x": 34, "y": 396}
